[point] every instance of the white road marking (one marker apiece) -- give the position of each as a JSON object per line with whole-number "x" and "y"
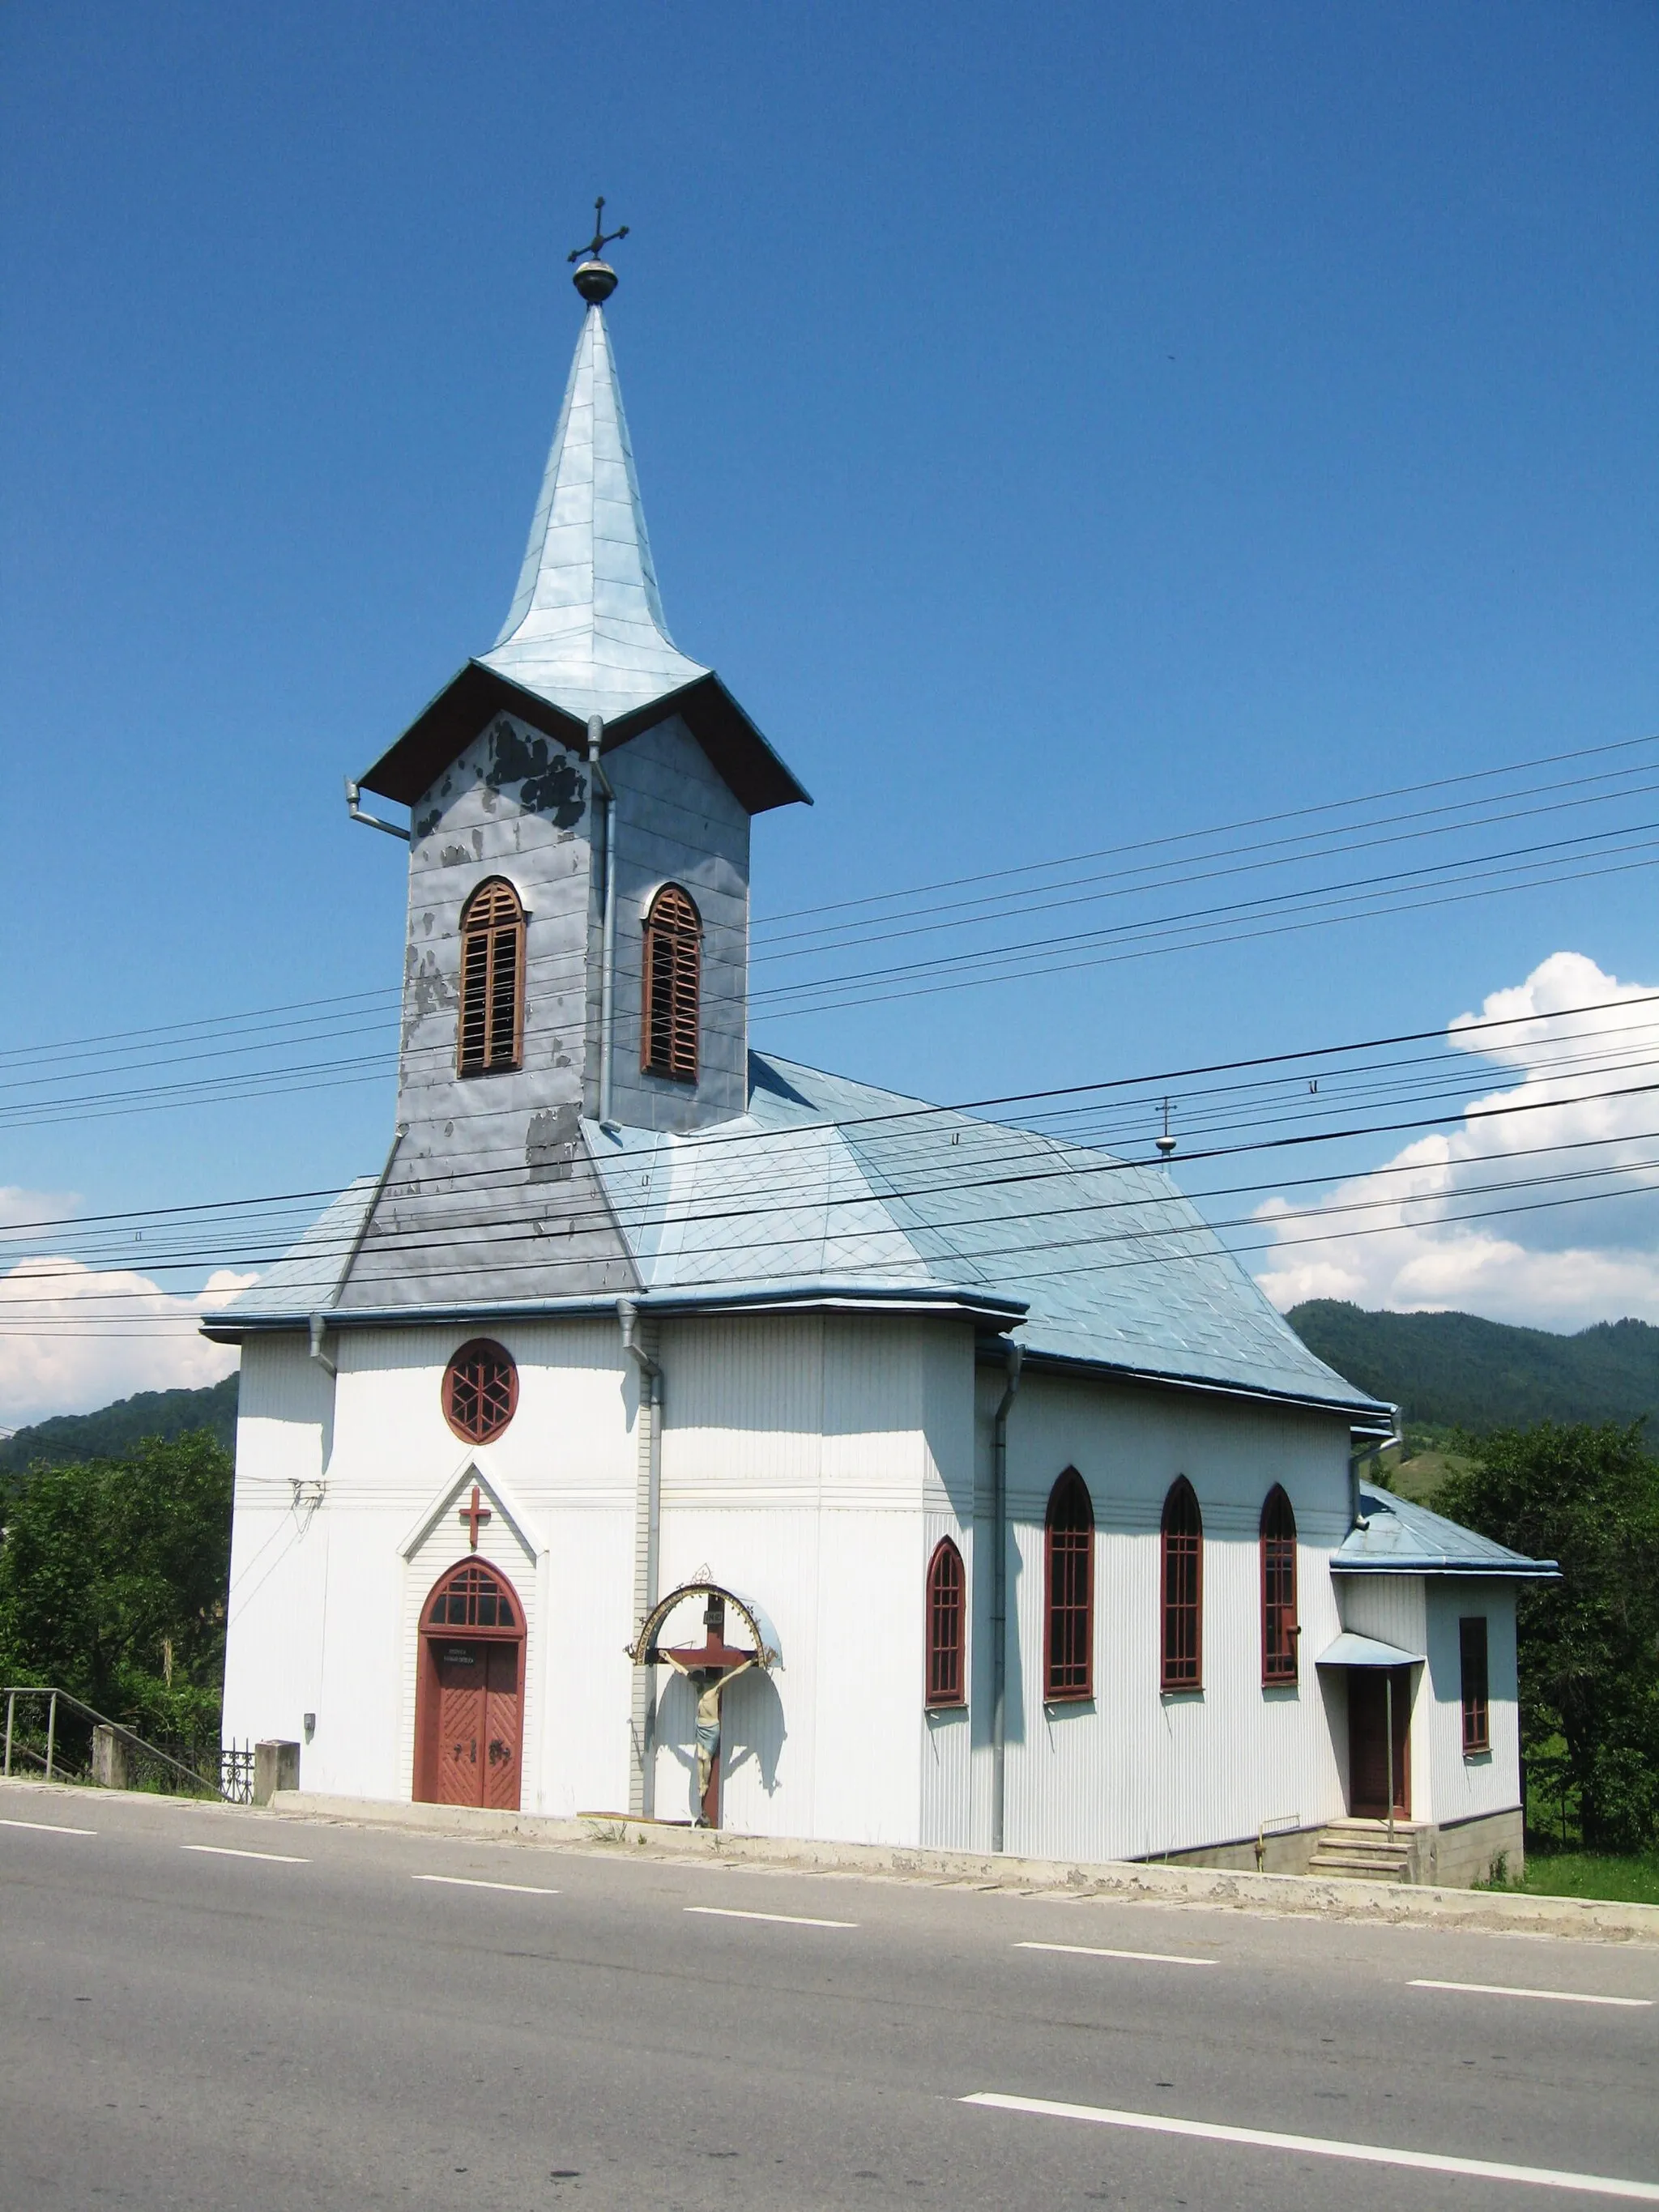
{"x": 1422, "y": 2162}
{"x": 1091, "y": 1951}
{"x": 789, "y": 1919}
{"x": 1552, "y": 1997}
{"x": 48, "y": 1828}
{"x": 226, "y": 1851}
{"x": 466, "y": 1881}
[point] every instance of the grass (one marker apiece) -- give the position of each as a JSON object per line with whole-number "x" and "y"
{"x": 1590, "y": 1874}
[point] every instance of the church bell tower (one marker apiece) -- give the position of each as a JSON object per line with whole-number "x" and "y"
{"x": 576, "y": 960}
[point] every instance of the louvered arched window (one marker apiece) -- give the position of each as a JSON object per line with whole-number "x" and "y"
{"x": 1069, "y": 1607}
{"x": 673, "y": 964}
{"x": 492, "y": 981}
{"x": 1183, "y": 1589}
{"x": 947, "y": 1589}
{"x": 1279, "y": 1628}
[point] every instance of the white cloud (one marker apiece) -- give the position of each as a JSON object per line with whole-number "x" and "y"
{"x": 1575, "y": 1259}
{"x": 73, "y": 1338}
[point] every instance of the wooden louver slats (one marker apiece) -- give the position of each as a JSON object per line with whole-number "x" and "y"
{"x": 673, "y": 986}
{"x": 492, "y": 981}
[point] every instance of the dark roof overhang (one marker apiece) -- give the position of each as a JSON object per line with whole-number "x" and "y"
{"x": 442, "y": 731}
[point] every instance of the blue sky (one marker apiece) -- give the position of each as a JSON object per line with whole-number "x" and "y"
{"x": 1062, "y": 428}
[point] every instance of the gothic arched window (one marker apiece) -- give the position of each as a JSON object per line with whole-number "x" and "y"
{"x": 1279, "y": 1628}
{"x": 947, "y": 1618}
{"x": 492, "y": 981}
{"x": 1069, "y": 1607}
{"x": 673, "y": 964}
{"x": 1183, "y": 1589}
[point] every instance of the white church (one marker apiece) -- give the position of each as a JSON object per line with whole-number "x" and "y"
{"x": 672, "y": 1430}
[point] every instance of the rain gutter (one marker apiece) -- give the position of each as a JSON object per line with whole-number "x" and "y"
{"x": 603, "y": 789}
{"x": 1013, "y": 1355}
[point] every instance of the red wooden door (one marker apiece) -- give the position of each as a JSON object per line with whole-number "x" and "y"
{"x": 468, "y": 1703}
{"x": 1367, "y": 1742}
{"x": 460, "y": 1672}
{"x": 499, "y": 1774}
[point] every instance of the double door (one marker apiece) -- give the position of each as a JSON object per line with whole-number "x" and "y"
{"x": 474, "y": 1710}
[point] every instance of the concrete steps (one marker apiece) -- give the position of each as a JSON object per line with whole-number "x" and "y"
{"x": 1361, "y": 1850}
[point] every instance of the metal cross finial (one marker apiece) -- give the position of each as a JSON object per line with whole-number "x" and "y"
{"x": 602, "y": 238}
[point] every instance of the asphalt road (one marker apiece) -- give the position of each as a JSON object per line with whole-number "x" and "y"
{"x": 366, "y": 2019}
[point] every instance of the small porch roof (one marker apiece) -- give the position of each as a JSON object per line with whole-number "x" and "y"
{"x": 1351, "y": 1650}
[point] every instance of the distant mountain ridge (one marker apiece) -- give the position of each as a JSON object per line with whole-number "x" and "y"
{"x": 115, "y": 1429}
{"x": 1454, "y": 1370}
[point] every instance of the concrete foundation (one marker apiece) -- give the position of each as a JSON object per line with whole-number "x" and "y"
{"x": 276, "y": 1766}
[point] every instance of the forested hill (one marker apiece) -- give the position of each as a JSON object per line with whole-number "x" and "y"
{"x": 115, "y": 1429}
{"x": 1451, "y": 1370}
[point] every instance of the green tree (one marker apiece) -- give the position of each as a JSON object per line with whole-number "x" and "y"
{"x": 1589, "y": 1498}
{"x": 112, "y": 1582}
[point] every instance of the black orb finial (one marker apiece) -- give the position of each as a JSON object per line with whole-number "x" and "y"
{"x": 595, "y": 279}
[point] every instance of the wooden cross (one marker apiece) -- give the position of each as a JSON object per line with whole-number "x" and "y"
{"x": 473, "y": 1513}
{"x": 602, "y": 238}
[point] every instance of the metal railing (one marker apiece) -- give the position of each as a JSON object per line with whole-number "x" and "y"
{"x": 229, "y": 1775}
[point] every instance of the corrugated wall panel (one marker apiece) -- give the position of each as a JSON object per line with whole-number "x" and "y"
{"x": 1134, "y": 1772}
{"x": 1488, "y": 1782}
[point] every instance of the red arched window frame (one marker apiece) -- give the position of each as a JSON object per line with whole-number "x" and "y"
{"x": 1182, "y": 1624}
{"x": 673, "y": 986}
{"x": 1068, "y": 1643}
{"x": 491, "y": 1037}
{"x": 1280, "y": 1631}
{"x": 947, "y": 1642}
{"x": 481, "y": 1390}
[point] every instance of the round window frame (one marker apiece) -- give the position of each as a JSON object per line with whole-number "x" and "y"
{"x": 476, "y": 1347}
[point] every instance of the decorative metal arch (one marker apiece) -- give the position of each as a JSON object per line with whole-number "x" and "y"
{"x": 643, "y": 1650}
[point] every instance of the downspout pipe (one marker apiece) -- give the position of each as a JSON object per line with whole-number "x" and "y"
{"x": 604, "y": 791}
{"x": 648, "y": 1518}
{"x": 1364, "y": 1447}
{"x": 1015, "y": 1357}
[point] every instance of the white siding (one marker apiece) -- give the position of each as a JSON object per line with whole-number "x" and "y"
{"x": 1135, "y": 1773}
{"x": 1489, "y": 1781}
{"x": 805, "y": 1461}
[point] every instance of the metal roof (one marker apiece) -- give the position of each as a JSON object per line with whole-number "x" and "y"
{"x": 1351, "y": 1650}
{"x": 586, "y": 633}
{"x": 830, "y": 1192}
{"x": 585, "y": 628}
{"x": 1397, "y": 1537}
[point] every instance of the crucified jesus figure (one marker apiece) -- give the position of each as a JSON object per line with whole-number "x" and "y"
{"x": 710, "y": 1667}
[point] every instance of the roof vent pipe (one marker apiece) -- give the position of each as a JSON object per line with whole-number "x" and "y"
{"x": 1014, "y": 1356}
{"x": 606, "y": 859}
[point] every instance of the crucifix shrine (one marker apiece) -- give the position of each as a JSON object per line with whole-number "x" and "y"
{"x": 470, "y": 1517}
{"x": 710, "y": 1667}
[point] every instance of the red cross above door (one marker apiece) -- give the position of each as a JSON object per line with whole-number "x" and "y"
{"x": 472, "y": 1516}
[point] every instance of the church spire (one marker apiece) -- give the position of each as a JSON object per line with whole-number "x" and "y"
{"x": 585, "y": 629}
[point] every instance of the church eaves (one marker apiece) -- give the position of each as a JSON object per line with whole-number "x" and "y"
{"x": 586, "y": 634}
